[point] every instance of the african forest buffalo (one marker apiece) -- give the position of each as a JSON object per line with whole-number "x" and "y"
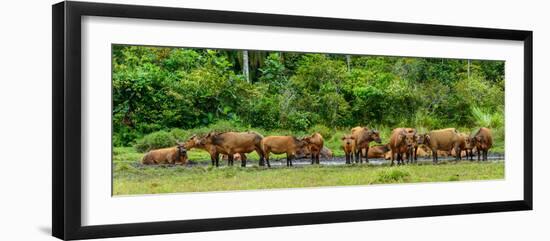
{"x": 411, "y": 154}
{"x": 483, "y": 141}
{"x": 289, "y": 145}
{"x": 468, "y": 146}
{"x": 378, "y": 151}
{"x": 348, "y": 145}
{"x": 423, "y": 151}
{"x": 402, "y": 142}
{"x": 170, "y": 155}
{"x": 199, "y": 143}
{"x": 315, "y": 144}
{"x": 230, "y": 143}
{"x": 363, "y": 136}
{"x": 444, "y": 140}
{"x": 304, "y": 153}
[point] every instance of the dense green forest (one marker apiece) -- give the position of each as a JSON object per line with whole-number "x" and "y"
{"x": 159, "y": 89}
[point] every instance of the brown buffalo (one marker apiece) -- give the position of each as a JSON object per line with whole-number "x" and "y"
{"x": 304, "y": 153}
{"x": 230, "y": 143}
{"x": 423, "y": 151}
{"x": 411, "y": 154}
{"x": 315, "y": 144}
{"x": 170, "y": 155}
{"x": 468, "y": 146}
{"x": 443, "y": 140}
{"x": 363, "y": 136}
{"x": 378, "y": 151}
{"x": 289, "y": 145}
{"x": 402, "y": 142}
{"x": 483, "y": 141}
{"x": 326, "y": 153}
{"x": 200, "y": 143}
{"x": 348, "y": 145}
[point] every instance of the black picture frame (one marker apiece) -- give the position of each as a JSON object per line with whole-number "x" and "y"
{"x": 66, "y": 127}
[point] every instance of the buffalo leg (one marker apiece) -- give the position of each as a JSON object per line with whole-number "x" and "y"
{"x": 399, "y": 159}
{"x": 266, "y": 157}
{"x": 478, "y": 154}
{"x": 216, "y": 159}
{"x": 434, "y": 154}
{"x": 392, "y": 158}
{"x": 288, "y": 160}
{"x": 347, "y": 158}
{"x": 318, "y": 156}
{"x": 230, "y": 159}
{"x": 267, "y": 162}
{"x": 314, "y": 157}
{"x": 213, "y": 159}
{"x": 290, "y": 157}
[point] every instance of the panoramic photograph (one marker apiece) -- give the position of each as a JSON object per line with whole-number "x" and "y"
{"x": 201, "y": 120}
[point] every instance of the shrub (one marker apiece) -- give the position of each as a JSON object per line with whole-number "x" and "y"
{"x": 179, "y": 134}
{"x": 155, "y": 140}
{"x": 487, "y": 119}
{"x": 392, "y": 175}
{"x": 225, "y": 126}
{"x": 298, "y": 121}
{"x": 323, "y": 130}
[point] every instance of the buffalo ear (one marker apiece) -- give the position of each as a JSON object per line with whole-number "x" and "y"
{"x": 343, "y": 138}
{"x": 352, "y": 137}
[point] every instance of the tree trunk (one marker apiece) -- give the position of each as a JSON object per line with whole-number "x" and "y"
{"x": 245, "y": 66}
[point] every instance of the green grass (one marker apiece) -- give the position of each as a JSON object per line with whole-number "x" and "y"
{"x": 130, "y": 179}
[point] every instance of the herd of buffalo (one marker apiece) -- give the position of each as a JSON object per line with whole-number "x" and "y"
{"x": 404, "y": 144}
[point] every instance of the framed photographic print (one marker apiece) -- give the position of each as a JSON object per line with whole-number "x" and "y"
{"x": 170, "y": 120}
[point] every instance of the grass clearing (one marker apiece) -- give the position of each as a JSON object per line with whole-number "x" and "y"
{"x": 132, "y": 179}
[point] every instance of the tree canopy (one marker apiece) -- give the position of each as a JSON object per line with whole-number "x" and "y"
{"x": 159, "y": 88}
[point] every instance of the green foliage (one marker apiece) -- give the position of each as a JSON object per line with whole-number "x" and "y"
{"x": 273, "y": 73}
{"x": 392, "y": 175}
{"x": 299, "y": 120}
{"x": 326, "y": 132}
{"x": 185, "y": 89}
{"x": 487, "y": 119}
{"x": 155, "y": 140}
